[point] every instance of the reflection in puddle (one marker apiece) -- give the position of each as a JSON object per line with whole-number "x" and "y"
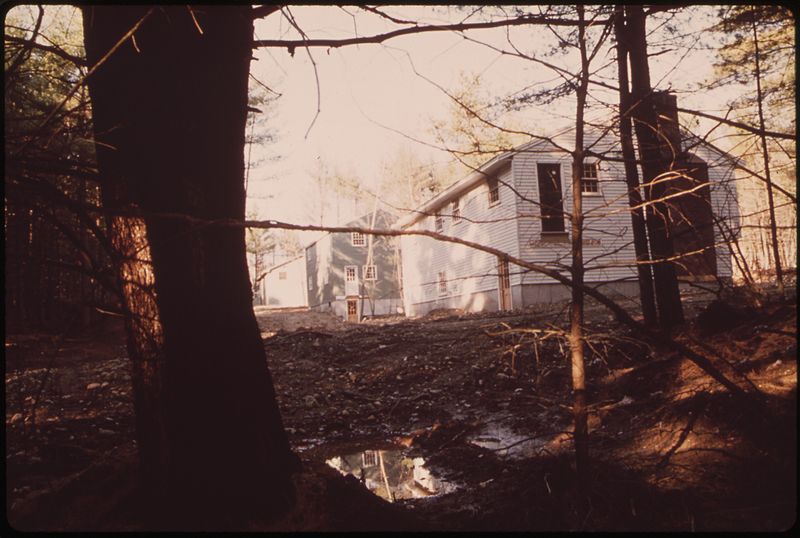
{"x": 506, "y": 443}
{"x": 391, "y": 474}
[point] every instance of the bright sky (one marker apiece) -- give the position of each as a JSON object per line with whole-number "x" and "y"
{"x": 369, "y": 94}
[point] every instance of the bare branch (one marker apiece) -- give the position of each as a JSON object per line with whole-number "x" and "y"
{"x": 58, "y": 51}
{"x": 739, "y": 125}
{"x": 291, "y": 45}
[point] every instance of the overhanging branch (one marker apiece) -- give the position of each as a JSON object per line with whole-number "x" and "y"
{"x": 291, "y": 45}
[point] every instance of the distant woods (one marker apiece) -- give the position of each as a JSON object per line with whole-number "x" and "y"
{"x": 58, "y": 258}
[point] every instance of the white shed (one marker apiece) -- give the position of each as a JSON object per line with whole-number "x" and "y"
{"x": 283, "y": 285}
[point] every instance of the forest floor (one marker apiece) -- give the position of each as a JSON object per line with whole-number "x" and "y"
{"x": 461, "y": 422}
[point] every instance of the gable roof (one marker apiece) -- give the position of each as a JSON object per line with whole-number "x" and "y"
{"x": 543, "y": 145}
{"x": 364, "y": 220}
{"x": 460, "y": 186}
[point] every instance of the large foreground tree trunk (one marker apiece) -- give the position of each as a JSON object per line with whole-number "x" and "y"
{"x": 169, "y": 107}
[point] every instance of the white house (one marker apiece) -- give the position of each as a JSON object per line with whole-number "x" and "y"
{"x": 519, "y": 201}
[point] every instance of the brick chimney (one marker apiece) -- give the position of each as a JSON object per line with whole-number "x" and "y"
{"x": 666, "y": 107}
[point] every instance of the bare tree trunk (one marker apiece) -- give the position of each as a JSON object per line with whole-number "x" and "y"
{"x": 770, "y": 196}
{"x": 577, "y": 270}
{"x": 643, "y": 113}
{"x": 640, "y": 245}
{"x": 174, "y": 106}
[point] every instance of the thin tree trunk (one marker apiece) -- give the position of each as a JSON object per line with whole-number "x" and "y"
{"x": 643, "y": 113}
{"x": 177, "y": 102}
{"x": 640, "y": 244}
{"x": 577, "y": 270}
{"x": 770, "y": 196}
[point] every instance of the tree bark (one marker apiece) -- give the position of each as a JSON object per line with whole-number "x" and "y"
{"x": 645, "y": 119}
{"x": 640, "y": 244}
{"x": 581, "y": 431}
{"x": 773, "y": 227}
{"x": 172, "y": 103}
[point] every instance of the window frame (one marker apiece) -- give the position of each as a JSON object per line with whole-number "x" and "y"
{"x": 441, "y": 279}
{"x": 355, "y": 273}
{"x": 592, "y": 180}
{"x": 455, "y": 210}
{"x": 366, "y": 271}
{"x": 369, "y": 458}
{"x": 438, "y": 222}
{"x": 361, "y": 238}
{"x": 281, "y": 275}
{"x": 493, "y": 191}
{"x": 558, "y": 215}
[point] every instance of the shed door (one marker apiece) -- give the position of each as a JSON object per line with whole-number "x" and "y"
{"x": 504, "y": 284}
{"x": 352, "y": 310}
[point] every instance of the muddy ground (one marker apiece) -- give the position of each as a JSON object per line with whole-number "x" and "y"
{"x": 467, "y": 417}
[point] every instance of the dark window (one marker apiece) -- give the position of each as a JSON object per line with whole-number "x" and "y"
{"x": 550, "y": 199}
{"x": 589, "y": 181}
{"x": 438, "y": 222}
{"x": 456, "y": 211}
{"x": 494, "y": 191}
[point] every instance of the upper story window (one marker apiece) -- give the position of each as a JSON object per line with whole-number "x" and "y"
{"x": 589, "y": 180}
{"x": 357, "y": 239}
{"x": 350, "y": 273}
{"x": 551, "y": 202}
{"x": 438, "y": 222}
{"x": 494, "y": 191}
{"x": 456, "y": 211}
{"x": 370, "y": 272}
{"x": 282, "y": 275}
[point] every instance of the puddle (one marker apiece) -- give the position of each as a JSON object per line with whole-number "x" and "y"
{"x": 392, "y": 474}
{"x": 507, "y": 443}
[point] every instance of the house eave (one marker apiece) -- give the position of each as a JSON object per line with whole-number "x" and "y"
{"x": 457, "y": 188}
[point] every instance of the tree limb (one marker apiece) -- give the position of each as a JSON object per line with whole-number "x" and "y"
{"x": 291, "y": 45}
{"x": 743, "y": 126}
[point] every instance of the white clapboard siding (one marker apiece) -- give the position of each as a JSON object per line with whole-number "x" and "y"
{"x": 608, "y": 241}
{"x": 514, "y": 225}
{"x": 468, "y": 270}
